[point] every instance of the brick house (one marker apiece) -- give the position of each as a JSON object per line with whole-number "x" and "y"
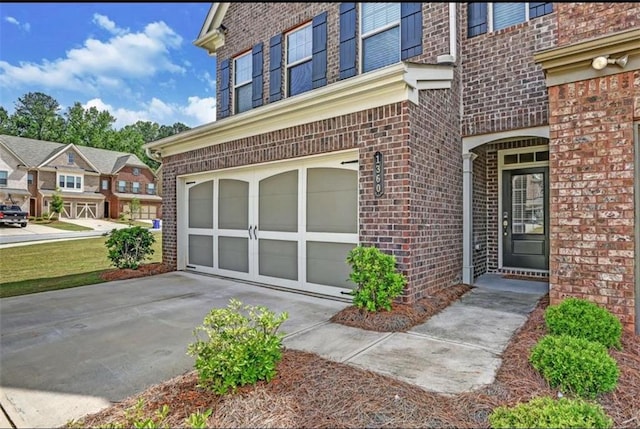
{"x": 463, "y": 138}
{"x": 94, "y": 183}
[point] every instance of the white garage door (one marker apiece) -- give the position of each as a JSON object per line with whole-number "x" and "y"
{"x": 290, "y": 225}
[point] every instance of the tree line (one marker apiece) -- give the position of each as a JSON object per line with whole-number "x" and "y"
{"x": 38, "y": 116}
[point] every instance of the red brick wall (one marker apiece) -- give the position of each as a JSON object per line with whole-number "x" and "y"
{"x": 586, "y": 20}
{"x": 252, "y": 23}
{"x": 503, "y": 89}
{"x": 480, "y": 211}
{"x": 592, "y": 199}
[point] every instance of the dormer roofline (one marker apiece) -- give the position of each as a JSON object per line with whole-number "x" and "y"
{"x": 211, "y": 35}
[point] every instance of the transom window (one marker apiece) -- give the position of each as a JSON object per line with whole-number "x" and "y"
{"x": 70, "y": 182}
{"x": 3, "y": 178}
{"x": 487, "y": 17}
{"x": 242, "y": 69}
{"x": 299, "y": 51}
{"x": 380, "y": 30}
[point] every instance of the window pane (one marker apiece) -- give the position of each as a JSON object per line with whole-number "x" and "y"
{"x": 243, "y": 69}
{"x": 278, "y": 202}
{"x": 507, "y": 14}
{"x": 376, "y": 15}
{"x": 61, "y": 181}
{"x": 70, "y": 182}
{"x": 527, "y": 203}
{"x": 381, "y": 49}
{"x": 201, "y": 250}
{"x": 233, "y": 204}
{"x": 278, "y": 259}
{"x": 78, "y": 182}
{"x": 332, "y": 200}
{"x": 201, "y": 205}
{"x": 537, "y": 9}
{"x": 326, "y": 264}
{"x": 243, "y": 98}
{"x": 300, "y": 78}
{"x": 299, "y": 44}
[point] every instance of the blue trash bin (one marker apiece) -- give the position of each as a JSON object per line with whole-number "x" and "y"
{"x": 156, "y": 224}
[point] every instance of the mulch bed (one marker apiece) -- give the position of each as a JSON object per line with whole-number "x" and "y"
{"x": 142, "y": 271}
{"x": 313, "y": 392}
{"x": 402, "y": 316}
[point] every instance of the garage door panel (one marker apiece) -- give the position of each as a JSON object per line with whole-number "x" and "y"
{"x": 332, "y": 200}
{"x": 201, "y": 205}
{"x": 200, "y": 250}
{"x": 233, "y": 254}
{"x": 278, "y": 202}
{"x": 278, "y": 259}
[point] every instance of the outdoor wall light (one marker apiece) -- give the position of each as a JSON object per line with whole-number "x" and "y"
{"x": 602, "y": 61}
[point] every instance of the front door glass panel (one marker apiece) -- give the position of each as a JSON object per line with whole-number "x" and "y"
{"x": 527, "y": 203}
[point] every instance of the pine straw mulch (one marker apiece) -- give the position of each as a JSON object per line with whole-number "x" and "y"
{"x": 310, "y": 391}
{"x": 142, "y": 271}
{"x": 402, "y": 316}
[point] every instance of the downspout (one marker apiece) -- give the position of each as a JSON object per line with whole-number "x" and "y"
{"x": 467, "y": 217}
{"x": 451, "y": 57}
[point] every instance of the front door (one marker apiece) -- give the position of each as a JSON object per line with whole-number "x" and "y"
{"x": 525, "y": 218}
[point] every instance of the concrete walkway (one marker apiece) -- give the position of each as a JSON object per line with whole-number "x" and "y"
{"x": 67, "y": 353}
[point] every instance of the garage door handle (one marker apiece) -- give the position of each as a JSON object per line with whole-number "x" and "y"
{"x": 255, "y": 232}
{"x": 249, "y": 232}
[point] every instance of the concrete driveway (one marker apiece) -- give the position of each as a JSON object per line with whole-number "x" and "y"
{"x": 67, "y": 353}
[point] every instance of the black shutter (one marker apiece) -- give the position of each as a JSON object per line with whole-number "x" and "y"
{"x": 225, "y": 83}
{"x": 319, "y": 51}
{"x": 476, "y": 19}
{"x": 275, "y": 68}
{"x": 348, "y": 41}
{"x": 256, "y": 76}
{"x": 410, "y": 30}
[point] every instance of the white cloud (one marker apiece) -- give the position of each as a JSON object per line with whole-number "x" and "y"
{"x": 104, "y": 22}
{"x": 202, "y": 109}
{"x": 11, "y": 20}
{"x": 196, "y": 112}
{"x": 126, "y": 55}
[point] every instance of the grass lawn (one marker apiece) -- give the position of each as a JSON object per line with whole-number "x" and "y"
{"x": 59, "y": 265}
{"x": 58, "y": 224}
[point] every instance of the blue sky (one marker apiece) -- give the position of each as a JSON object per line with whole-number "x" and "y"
{"x": 136, "y": 60}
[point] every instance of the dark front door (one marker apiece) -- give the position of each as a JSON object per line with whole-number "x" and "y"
{"x": 525, "y": 218}
{"x": 106, "y": 210}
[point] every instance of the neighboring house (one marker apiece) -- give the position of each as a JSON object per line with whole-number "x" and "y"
{"x": 94, "y": 183}
{"x": 463, "y": 138}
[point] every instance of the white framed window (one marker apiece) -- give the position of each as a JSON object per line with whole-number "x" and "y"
{"x": 135, "y": 187}
{"x": 151, "y": 188}
{"x": 71, "y": 157}
{"x": 122, "y": 186}
{"x": 298, "y": 62}
{"x": 105, "y": 184}
{"x": 29, "y": 178}
{"x": 70, "y": 182}
{"x": 136, "y": 171}
{"x": 4, "y": 175}
{"x": 487, "y": 17}
{"x": 379, "y": 35}
{"x": 242, "y": 70}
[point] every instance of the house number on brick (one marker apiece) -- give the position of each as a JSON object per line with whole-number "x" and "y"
{"x": 378, "y": 174}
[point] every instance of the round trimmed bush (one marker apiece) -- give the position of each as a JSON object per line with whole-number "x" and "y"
{"x": 584, "y": 319}
{"x": 575, "y": 365}
{"x": 545, "y": 412}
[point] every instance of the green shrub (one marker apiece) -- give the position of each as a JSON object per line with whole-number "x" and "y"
{"x": 584, "y": 319}
{"x": 546, "y": 412}
{"x": 128, "y": 247}
{"x": 575, "y": 365}
{"x": 241, "y": 347}
{"x": 376, "y": 277}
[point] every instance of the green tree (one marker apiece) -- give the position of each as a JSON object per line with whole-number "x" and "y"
{"x": 6, "y": 125}
{"x": 134, "y": 209}
{"x": 57, "y": 204}
{"x": 88, "y": 127}
{"x": 36, "y": 116}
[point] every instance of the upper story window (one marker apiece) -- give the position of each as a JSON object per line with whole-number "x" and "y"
{"x": 380, "y": 34}
{"x": 299, "y": 64}
{"x": 135, "y": 187}
{"x": 136, "y": 171}
{"x": 242, "y": 94}
{"x": 105, "y": 184}
{"x": 71, "y": 158}
{"x": 29, "y": 178}
{"x": 3, "y": 178}
{"x": 70, "y": 182}
{"x": 151, "y": 188}
{"x": 487, "y": 17}
{"x": 122, "y": 186}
